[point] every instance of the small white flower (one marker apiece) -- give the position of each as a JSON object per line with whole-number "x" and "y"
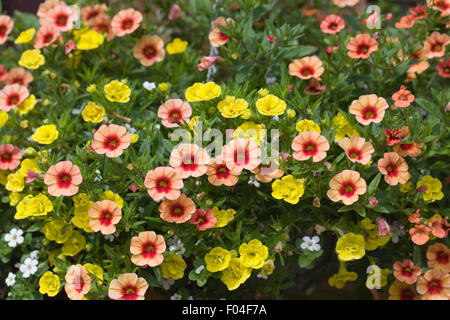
{"x": 34, "y": 254}
{"x": 149, "y": 85}
{"x": 11, "y": 279}
{"x": 271, "y": 80}
{"x": 76, "y": 112}
{"x": 191, "y": 298}
{"x": 175, "y": 244}
{"x": 276, "y": 118}
{"x": 111, "y": 237}
{"x": 176, "y": 296}
{"x": 252, "y": 180}
{"x": 141, "y": 209}
{"x": 157, "y": 126}
{"x": 29, "y": 267}
{"x": 167, "y": 283}
{"x": 98, "y": 176}
{"x": 130, "y": 128}
{"x": 311, "y": 244}
{"x": 262, "y": 276}
{"x": 199, "y": 269}
{"x": 14, "y": 237}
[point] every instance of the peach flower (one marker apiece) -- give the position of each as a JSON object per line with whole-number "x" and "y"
{"x": 88, "y": 14}
{"x": 395, "y": 136}
{"x": 78, "y": 283}
{"x": 411, "y": 149}
{"x": 406, "y": 22}
{"x": 63, "y": 179}
{"x": 345, "y": 3}
{"x": 62, "y": 17}
{"x": 46, "y": 35}
{"x": 332, "y": 24}
{"x": 414, "y": 217}
{"x": 402, "y": 291}
{"x": 361, "y": 46}
{"x": 434, "y": 45}
{"x": 443, "y": 68}
{"x": 173, "y": 112}
{"x": 147, "y": 249}
{"x": 45, "y": 7}
{"x": 102, "y": 25}
{"x": 415, "y": 69}
{"x": 357, "y": 149}
{"x": 439, "y": 227}
{"x": 149, "y": 49}
{"x": 369, "y": 108}
{"x": 346, "y": 186}
{"x": 406, "y": 271}
{"x": 175, "y": 12}
{"x": 434, "y": 285}
{"x": 111, "y": 140}
{"x": 420, "y": 234}
{"x": 394, "y": 168}
{"x": 12, "y": 95}
{"x": 310, "y": 144}
{"x": 9, "y": 157}
{"x": 163, "y": 182}
{"x": 203, "y": 219}
{"x": 179, "y": 210}
{"x": 216, "y": 37}
{"x": 438, "y": 256}
{"x": 219, "y": 174}
{"x": 267, "y": 172}
{"x": 207, "y": 62}
{"x": 128, "y": 287}
{"x": 402, "y": 97}
{"x": 3, "y": 73}
{"x": 104, "y": 215}
{"x": 189, "y": 160}
{"x": 6, "y": 26}
{"x": 126, "y": 22}
{"x": 241, "y": 154}
{"x": 306, "y": 68}
{"x": 314, "y": 87}
{"x": 20, "y": 76}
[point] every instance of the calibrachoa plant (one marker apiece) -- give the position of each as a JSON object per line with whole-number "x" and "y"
{"x": 224, "y": 149}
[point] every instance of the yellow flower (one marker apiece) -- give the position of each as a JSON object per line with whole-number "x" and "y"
{"x": 27, "y": 105}
{"x": 49, "y": 284}
{"x": 91, "y": 88}
{"x": 81, "y": 216}
{"x": 246, "y": 114}
{"x": 432, "y": 188}
{"x": 290, "y": 113}
{"x": 268, "y": 267}
{"x": 25, "y": 36}
{"x": 339, "y": 279}
{"x": 57, "y": 230}
{"x": 350, "y": 247}
{"x": 235, "y": 274}
{"x": 343, "y": 127}
{"x": 134, "y": 137}
{"x": 45, "y": 134}
{"x": 250, "y": 131}
{"x": 176, "y": 46}
{"x": 93, "y": 112}
{"x": 3, "y": 118}
{"x": 109, "y": 195}
{"x": 377, "y": 278}
{"x": 253, "y": 254}
{"x": 15, "y": 182}
{"x": 81, "y": 200}
{"x": 39, "y": 205}
{"x": 270, "y": 105}
{"x": 90, "y": 40}
{"x": 288, "y": 188}
{"x": 173, "y": 267}
{"x": 217, "y": 259}
{"x": 74, "y": 244}
{"x": 163, "y": 86}
{"x": 404, "y": 188}
{"x": 15, "y": 198}
{"x": 95, "y": 270}
{"x": 223, "y": 217}
{"x": 117, "y": 91}
{"x": 230, "y": 107}
{"x": 307, "y": 125}
{"x": 263, "y": 92}
{"x": 202, "y": 92}
{"x": 28, "y": 164}
{"x": 32, "y": 59}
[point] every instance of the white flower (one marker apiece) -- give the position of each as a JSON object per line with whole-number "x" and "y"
{"x": 149, "y": 85}
{"x": 199, "y": 269}
{"x": 311, "y": 244}
{"x": 175, "y": 244}
{"x": 271, "y": 80}
{"x": 34, "y": 254}
{"x": 191, "y": 298}
{"x": 167, "y": 283}
{"x": 276, "y": 118}
{"x": 98, "y": 176}
{"x": 252, "y": 180}
{"x": 262, "y": 276}
{"x": 29, "y": 267}
{"x": 77, "y": 111}
{"x": 130, "y": 128}
{"x": 157, "y": 126}
{"x": 176, "y": 296}
{"x": 11, "y": 279}
{"x": 14, "y": 237}
{"x": 111, "y": 237}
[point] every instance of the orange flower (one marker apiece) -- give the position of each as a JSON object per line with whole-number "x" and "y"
{"x": 63, "y": 179}
{"x": 419, "y": 12}
{"x": 434, "y": 45}
{"x": 420, "y": 234}
{"x": 346, "y": 186}
{"x": 406, "y": 272}
{"x": 406, "y": 22}
{"x": 20, "y": 76}
{"x": 149, "y": 49}
{"x": 267, "y": 172}
{"x": 46, "y": 35}
{"x": 9, "y": 157}
{"x": 332, "y": 24}
{"x": 126, "y": 22}
{"x": 438, "y": 256}
{"x": 310, "y": 144}
{"x": 402, "y": 291}
{"x": 179, "y": 210}
{"x": 357, "y": 149}
{"x": 394, "y": 168}
{"x": 219, "y": 174}
{"x": 147, "y": 249}
{"x": 439, "y": 227}
{"x": 443, "y": 68}
{"x": 395, "y": 136}
{"x": 111, "y": 140}
{"x": 6, "y": 26}
{"x": 61, "y": 16}
{"x": 411, "y": 149}
{"x": 173, "y": 112}
{"x": 306, "y": 68}
{"x": 78, "y": 282}
{"x": 12, "y": 95}
{"x": 216, "y": 37}
{"x": 203, "y": 219}
{"x": 369, "y": 108}
{"x": 415, "y": 69}
{"x": 128, "y": 287}
{"x": 104, "y": 215}
{"x": 241, "y": 154}
{"x": 189, "y": 160}
{"x": 434, "y": 285}
{"x": 414, "y": 217}
{"x": 361, "y": 46}
{"x": 403, "y": 97}
{"x": 163, "y": 182}
{"x": 345, "y": 3}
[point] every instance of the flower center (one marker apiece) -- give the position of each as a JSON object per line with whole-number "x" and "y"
{"x": 149, "y": 52}
{"x": 369, "y": 112}
{"x": 307, "y": 71}
{"x": 333, "y": 26}
{"x": 407, "y": 294}
{"x": 177, "y": 211}
{"x": 2, "y": 30}
{"x": 434, "y": 286}
{"x": 112, "y": 143}
{"x": 347, "y": 189}
{"x": 105, "y": 217}
{"x": 241, "y": 157}
{"x": 127, "y": 24}
{"x": 65, "y": 180}
{"x": 13, "y": 99}
{"x": 363, "y": 48}
{"x": 61, "y": 20}
{"x": 6, "y": 156}
{"x": 437, "y": 47}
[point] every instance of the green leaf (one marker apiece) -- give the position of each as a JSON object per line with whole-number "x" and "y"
{"x": 430, "y": 107}
{"x": 374, "y": 184}
{"x": 361, "y": 211}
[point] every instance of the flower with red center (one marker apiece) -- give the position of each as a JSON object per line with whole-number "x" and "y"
{"x": 104, "y": 215}
{"x": 63, "y": 179}
{"x": 126, "y": 22}
{"x": 357, "y": 149}
{"x": 434, "y": 285}
{"x": 78, "y": 283}
{"x": 314, "y": 87}
{"x": 406, "y": 271}
{"x": 219, "y": 174}
{"x": 439, "y": 227}
{"x": 361, "y": 46}
{"x": 267, "y": 172}
{"x": 406, "y": 22}
{"x": 346, "y": 186}
{"x": 332, "y": 24}
{"x": 434, "y": 45}
{"x": 440, "y": 5}
{"x": 62, "y": 17}
{"x": 271, "y": 38}
{"x": 12, "y": 95}
{"x": 420, "y": 12}
{"x": 173, "y": 112}
{"x": 91, "y": 12}
{"x": 189, "y": 160}
{"x": 306, "y": 68}
{"x": 6, "y": 26}
{"x": 102, "y": 25}
{"x": 9, "y": 157}
{"x": 310, "y": 144}
{"x": 394, "y": 168}
{"x": 44, "y": 9}
{"x": 443, "y": 68}
{"x": 409, "y": 148}
{"x": 179, "y": 210}
{"x": 128, "y": 287}
{"x": 241, "y": 154}
{"x": 369, "y": 108}
{"x": 203, "y": 219}
{"x": 149, "y": 49}
{"x": 420, "y": 234}
{"x": 111, "y": 140}
{"x": 163, "y": 182}
{"x": 207, "y": 62}
{"x": 402, "y": 291}
{"x": 20, "y": 76}
{"x": 147, "y": 249}
{"x": 216, "y": 37}
{"x": 438, "y": 256}
{"x": 403, "y": 97}
{"x": 396, "y": 135}
{"x": 46, "y": 35}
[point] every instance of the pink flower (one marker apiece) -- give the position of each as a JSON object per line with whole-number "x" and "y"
{"x": 31, "y": 176}
{"x": 204, "y": 219}
{"x": 179, "y": 210}
{"x": 310, "y": 144}
{"x": 134, "y": 187}
{"x": 104, "y": 215}
{"x": 63, "y": 179}
{"x": 12, "y": 95}
{"x": 207, "y": 62}
{"x": 128, "y": 287}
{"x": 332, "y": 24}
{"x": 111, "y": 140}
{"x": 271, "y": 38}
{"x": 70, "y": 46}
{"x": 175, "y": 12}
{"x": 383, "y": 227}
{"x": 357, "y": 149}
{"x": 189, "y": 160}
{"x": 126, "y": 22}
{"x": 373, "y": 202}
{"x": 173, "y": 112}
{"x": 219, "y": 174}
{"x": 46, "y": 35}
{"x": 6, "y": 26}
{"x": 62, "y": 17}
{"x": 9, "y": 157}
{"x": 147, "y": 249}
{"x": 406, "y": 272}
{"x": 163, "y": 182}
{"x": 20, "y": 76}
{"x": 241, "y": 154}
